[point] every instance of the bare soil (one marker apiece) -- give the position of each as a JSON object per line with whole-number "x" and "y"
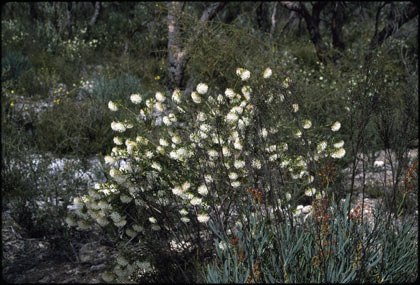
{"x": 41, "y": 260}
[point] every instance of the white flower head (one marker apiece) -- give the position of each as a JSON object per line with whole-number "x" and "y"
{"x": 267, "y": 73}
{"x": 153, "y": 220}
{"x": 208, "y": 178}
{"x": 239, "y": 164}
{"x": 195, "y": 97}
{"x": 339, "y": 153}
{"x": 156, "y": 166}
{"x": 222, "y": 245}
{"x": 185, "y": 219}
{"x": 238, "y": 144}
{"x": 339, "y": 144}
{"x": 177, "y": 191}
{"x": 160, "y": 97}
{"x": 237, "y": 110}
{"x": 203, "y": 218}
{"x": 176, "y": 139}
{"x": 202, "y": 88}
{"x": 135, "y": 98}
{"x": 176, "y": 96}
{"x": 256, "y": 163}
{"x": 321, "y": 146}
{"x": 163, "y": 142}
{"x": 220, "y": 99}
{"x": 196, "y": 201}
{"x": 230, "y": 93}
{"x": 264, "y": 132}
{"x": 172, "y": 117}
{"x": 201, "y": 116}
{"x": 246, "y": 91}
{"x": 233, "y": 176}
{"x": 295, "y": 107}
{"x": 202, "y": 190}
{"x": 307, "y": 124}
{"x": 226, "y": 151}
{"x": 186, "y": 186}
{"x": 118, "y": 141}
{"x": 213, "y": 154}
{"x": 183, "y": 212}
{"x": 310, "y": 192}
{"x": 336, "y": 126}
{"x": 243, "y": 73}
{"x": 118, "y": 127}
{"x": 235, "y": 184}
{"x": 166, "y": 121}
{"x": 231, "y": 117}
{"x": 159, "y": 107}
{"x": 112, "y": 106}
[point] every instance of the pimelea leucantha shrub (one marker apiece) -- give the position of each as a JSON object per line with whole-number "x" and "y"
{"x": 200, "y": 157}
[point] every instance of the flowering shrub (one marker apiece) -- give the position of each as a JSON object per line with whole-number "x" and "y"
{"x": 195, "y": 158}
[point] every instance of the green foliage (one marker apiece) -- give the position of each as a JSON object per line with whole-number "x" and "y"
{"x": 85, "y": 134}
{"x": 14, "y": 65}
{"x": 327, "y": 247}
{"x": 375, "y": 100}
{"x": 109, "y": 89}
{"x": 36, "y": 195}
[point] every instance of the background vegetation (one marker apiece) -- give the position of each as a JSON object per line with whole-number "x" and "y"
{"x": 356, "y": 62}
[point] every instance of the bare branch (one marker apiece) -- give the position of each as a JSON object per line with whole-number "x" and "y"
{"x": 212, "y": 11}
{"x": 312, "y": 23}
{"x": 273, "y": 19}
{"x": 410, "y": 12}
{"x": 337, "y": 25}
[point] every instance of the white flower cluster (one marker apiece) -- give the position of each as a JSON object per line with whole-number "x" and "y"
{"x": 197, "y": 152}
{"x": 135, "y": 98}
{"x": 267, "y": 73}
{"x": 243, "y": 73}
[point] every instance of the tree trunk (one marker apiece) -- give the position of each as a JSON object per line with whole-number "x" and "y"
{"x": 410, "y": 11}
{"x": 337, "y": 25}
{"x": 260, "y": 15}
{"x": 32, "y": 11}
{"x": 293, "y": 16}
{"x": 177, "y": 58}
{"x": 312, "y": 23}
{"x": 69, "y": 20}
{"x": 96, "y": 12}
{"x": 273, "y": 19}
{"x": 177, "y": 55}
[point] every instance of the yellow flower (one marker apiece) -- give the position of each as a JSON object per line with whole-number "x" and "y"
{"x": 157, "y": 77}
{"x": 13, "y": 91}
{"x": 12, "y": 104}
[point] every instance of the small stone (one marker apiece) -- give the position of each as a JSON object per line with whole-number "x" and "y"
{"x": 98, "y": 267}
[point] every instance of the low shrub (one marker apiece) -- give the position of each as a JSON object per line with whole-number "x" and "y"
{"x": 74, "y": 128}
{"x": 15, "y": 64}
{"x": 186, "y": 161}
